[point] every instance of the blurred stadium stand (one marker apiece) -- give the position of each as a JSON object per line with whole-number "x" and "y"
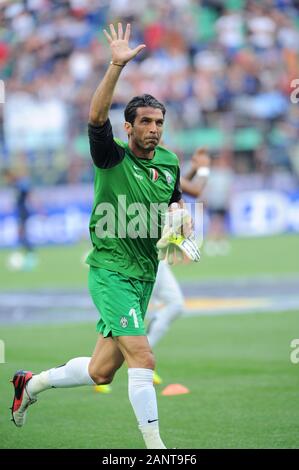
{"x": 224, "y": 69}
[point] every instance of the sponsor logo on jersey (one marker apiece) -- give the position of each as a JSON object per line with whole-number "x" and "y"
{"x": 154, "y": 175}
{"x": 137, "y": 175}
{"x": 123, "y": 322}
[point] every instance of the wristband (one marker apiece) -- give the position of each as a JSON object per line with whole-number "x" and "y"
{"x": 114, "y": 63}
{"x": 203, "y": 171}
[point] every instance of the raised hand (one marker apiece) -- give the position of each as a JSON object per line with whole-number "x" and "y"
{"x": 119, "y": 44}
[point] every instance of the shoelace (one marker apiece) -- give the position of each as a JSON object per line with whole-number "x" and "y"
{"x": 31, "y": 400}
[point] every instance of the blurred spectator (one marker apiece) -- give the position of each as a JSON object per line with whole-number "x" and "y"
{"x": 230, "y": 29}
{"x": 219, "y": 67}
{"x": 217, "y": 193}
{"x": 261, "y": 27}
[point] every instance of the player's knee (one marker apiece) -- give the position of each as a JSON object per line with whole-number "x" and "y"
{"x": 146, "y": 360}
{"x": 99, "y": 377}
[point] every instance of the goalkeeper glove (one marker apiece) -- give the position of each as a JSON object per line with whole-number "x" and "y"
{"x": 179, "y": 249}
{"x": 173, "y": 245}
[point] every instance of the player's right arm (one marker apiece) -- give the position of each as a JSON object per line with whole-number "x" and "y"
{"x": 121, "y": 54}
{"x": 104, "y": 151}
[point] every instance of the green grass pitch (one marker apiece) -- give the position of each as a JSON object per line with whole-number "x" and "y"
{"x": 244, "y": 390}
{"x": 63, "y": 266}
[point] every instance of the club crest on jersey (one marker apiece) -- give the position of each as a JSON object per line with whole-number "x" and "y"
{"x": 168, "y": 177}
{"x": 123, "y": 322}
{"x": 154, "y": 175}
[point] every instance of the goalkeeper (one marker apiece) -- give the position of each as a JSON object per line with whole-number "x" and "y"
{"x": 122, "y": 267}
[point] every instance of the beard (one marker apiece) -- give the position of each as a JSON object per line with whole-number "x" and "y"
{"x": 148, "y": 145}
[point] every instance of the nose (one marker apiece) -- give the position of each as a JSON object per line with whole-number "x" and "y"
{"x": 154, "y": 128}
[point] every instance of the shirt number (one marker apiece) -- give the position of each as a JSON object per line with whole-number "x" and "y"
{"x": 133, "y": 314}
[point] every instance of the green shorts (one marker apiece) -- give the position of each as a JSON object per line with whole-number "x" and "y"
{"x": 121, "y": 301}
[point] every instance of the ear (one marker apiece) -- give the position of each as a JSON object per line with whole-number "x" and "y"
{"x": 128, "y": 128}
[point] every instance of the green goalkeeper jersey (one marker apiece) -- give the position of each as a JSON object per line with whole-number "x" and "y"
{"x": 130, "y": 196}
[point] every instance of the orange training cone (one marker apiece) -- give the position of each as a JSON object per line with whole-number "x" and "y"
{"x": 175, "y": 389}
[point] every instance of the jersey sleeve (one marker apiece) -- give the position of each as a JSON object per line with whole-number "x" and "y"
{"x": 105, "y": 152}
{"x": 177, "y": 193}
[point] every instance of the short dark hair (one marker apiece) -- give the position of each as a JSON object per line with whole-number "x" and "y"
{"x": 142, "y": 101}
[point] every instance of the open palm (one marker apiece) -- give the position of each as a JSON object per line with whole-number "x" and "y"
{"x": 119, "y": 44}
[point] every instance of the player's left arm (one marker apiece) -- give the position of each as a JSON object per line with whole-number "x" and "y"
{"x": 177, "y": 219}
{"x": 177, "y": 192}
{"x": 176, "y": 201}
{"x": 177, "y": 242}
